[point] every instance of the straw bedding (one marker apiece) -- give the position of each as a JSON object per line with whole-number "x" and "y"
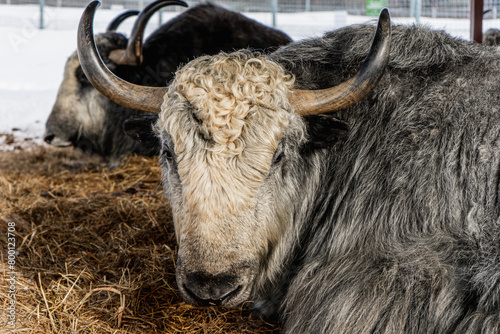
{"x": 96, "y": 250}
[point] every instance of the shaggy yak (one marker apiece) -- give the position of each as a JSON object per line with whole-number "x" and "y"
{"x": 342, "y": 201}
{"x": 83, "y": 118}
{"x": 491, "y": 37}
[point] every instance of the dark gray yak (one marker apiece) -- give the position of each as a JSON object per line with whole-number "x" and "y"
{"x": 82, "y": 117}
{"x": 491, "y": 37}
{"x": 343, "y": 193}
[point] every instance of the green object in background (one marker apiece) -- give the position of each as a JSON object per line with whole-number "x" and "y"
{"x": 373, "y": 7}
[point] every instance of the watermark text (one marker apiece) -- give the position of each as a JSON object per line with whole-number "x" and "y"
{"x": 11, "y": 274}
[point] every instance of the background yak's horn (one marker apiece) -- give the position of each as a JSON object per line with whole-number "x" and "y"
{"x": 113, "y": 25}
{"x": 132, "y": 55}
{"x": 124, "y": 93}
{"x": 344, "y": 95}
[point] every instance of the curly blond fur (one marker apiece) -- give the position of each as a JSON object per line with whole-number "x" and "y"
{"x": 224, "y": 117}
{"x": 235, "y": 101}
{"x": 226, "y": 89}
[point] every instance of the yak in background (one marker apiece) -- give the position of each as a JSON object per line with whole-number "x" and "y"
{"x": 83, "y": 118}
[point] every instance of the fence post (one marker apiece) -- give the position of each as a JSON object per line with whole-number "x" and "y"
{"x": 476, "y": 20}
{"x": 274, "y": 8}
{"x": 415, "y": 9}
{"x": 42, "y": 5}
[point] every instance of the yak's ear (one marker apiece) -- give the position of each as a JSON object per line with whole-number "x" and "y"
{"x": 141, "y": 129}
{"x": 323, "y": 130}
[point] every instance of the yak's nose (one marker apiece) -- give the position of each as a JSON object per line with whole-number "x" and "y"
{"x": 207, "y": 289}
{"x": 52, "y": 139}
{"x": 49, "y": 137}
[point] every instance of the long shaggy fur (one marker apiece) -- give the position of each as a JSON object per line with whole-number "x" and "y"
{"x": 393, "y": 228}
{"x": 406, "y": 239}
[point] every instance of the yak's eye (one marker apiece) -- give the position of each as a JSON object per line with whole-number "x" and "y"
{"x": 168, "y": 148}
{"x": 167, "y": 154}
{"x": 278, "y": 155}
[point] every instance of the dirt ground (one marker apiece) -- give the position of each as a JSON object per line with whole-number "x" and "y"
{"x": 88, "y": 249}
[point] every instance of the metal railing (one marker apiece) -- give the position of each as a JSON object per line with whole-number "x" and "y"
{"x": 413, "y": 10}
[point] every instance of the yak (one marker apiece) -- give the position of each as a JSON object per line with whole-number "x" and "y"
{"x": 342, "y": 187}
{"x": 83, "y": 118}
{"x": 491, "y": 37}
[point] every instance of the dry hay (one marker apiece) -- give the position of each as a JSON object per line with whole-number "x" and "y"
{"x": 96, "y": 250}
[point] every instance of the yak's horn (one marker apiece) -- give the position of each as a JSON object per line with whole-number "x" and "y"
{"x": 124, "y": 93}
{"x": 132, "y": 55}
{"x": 113, "y": 25}
{"x": 346, "y": 94}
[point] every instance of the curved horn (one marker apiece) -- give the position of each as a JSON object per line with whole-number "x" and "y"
{"x": 113, "y": 25}
{"x": 350, "y": 92}
{"x": 132, "y": 55}
{"x": 124, "y": 93}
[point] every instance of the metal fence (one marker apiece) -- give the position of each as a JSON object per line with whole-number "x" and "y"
{"x": 430, "y": 12}
{"x": 431, "y": 8}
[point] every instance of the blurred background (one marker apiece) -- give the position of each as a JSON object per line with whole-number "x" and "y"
{"x": 51, "y": 13}
{"x": 36, "y": 37}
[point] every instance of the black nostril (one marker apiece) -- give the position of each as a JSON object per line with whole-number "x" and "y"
{"x": 205, "y": 289}
{"x": 201, "y": 301}
{"x": 210, "y": 301}
{"x": 49, "y": 138}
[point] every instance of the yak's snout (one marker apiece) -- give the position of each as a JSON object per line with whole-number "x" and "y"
{"x": 205, "y": 289}
{"x": 51, "y": 138}
{"x": 61, "y": 127}
{"x": 229, "y": 287}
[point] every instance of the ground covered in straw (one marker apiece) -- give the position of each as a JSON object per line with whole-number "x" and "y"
{"x": 94, "y": 250}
